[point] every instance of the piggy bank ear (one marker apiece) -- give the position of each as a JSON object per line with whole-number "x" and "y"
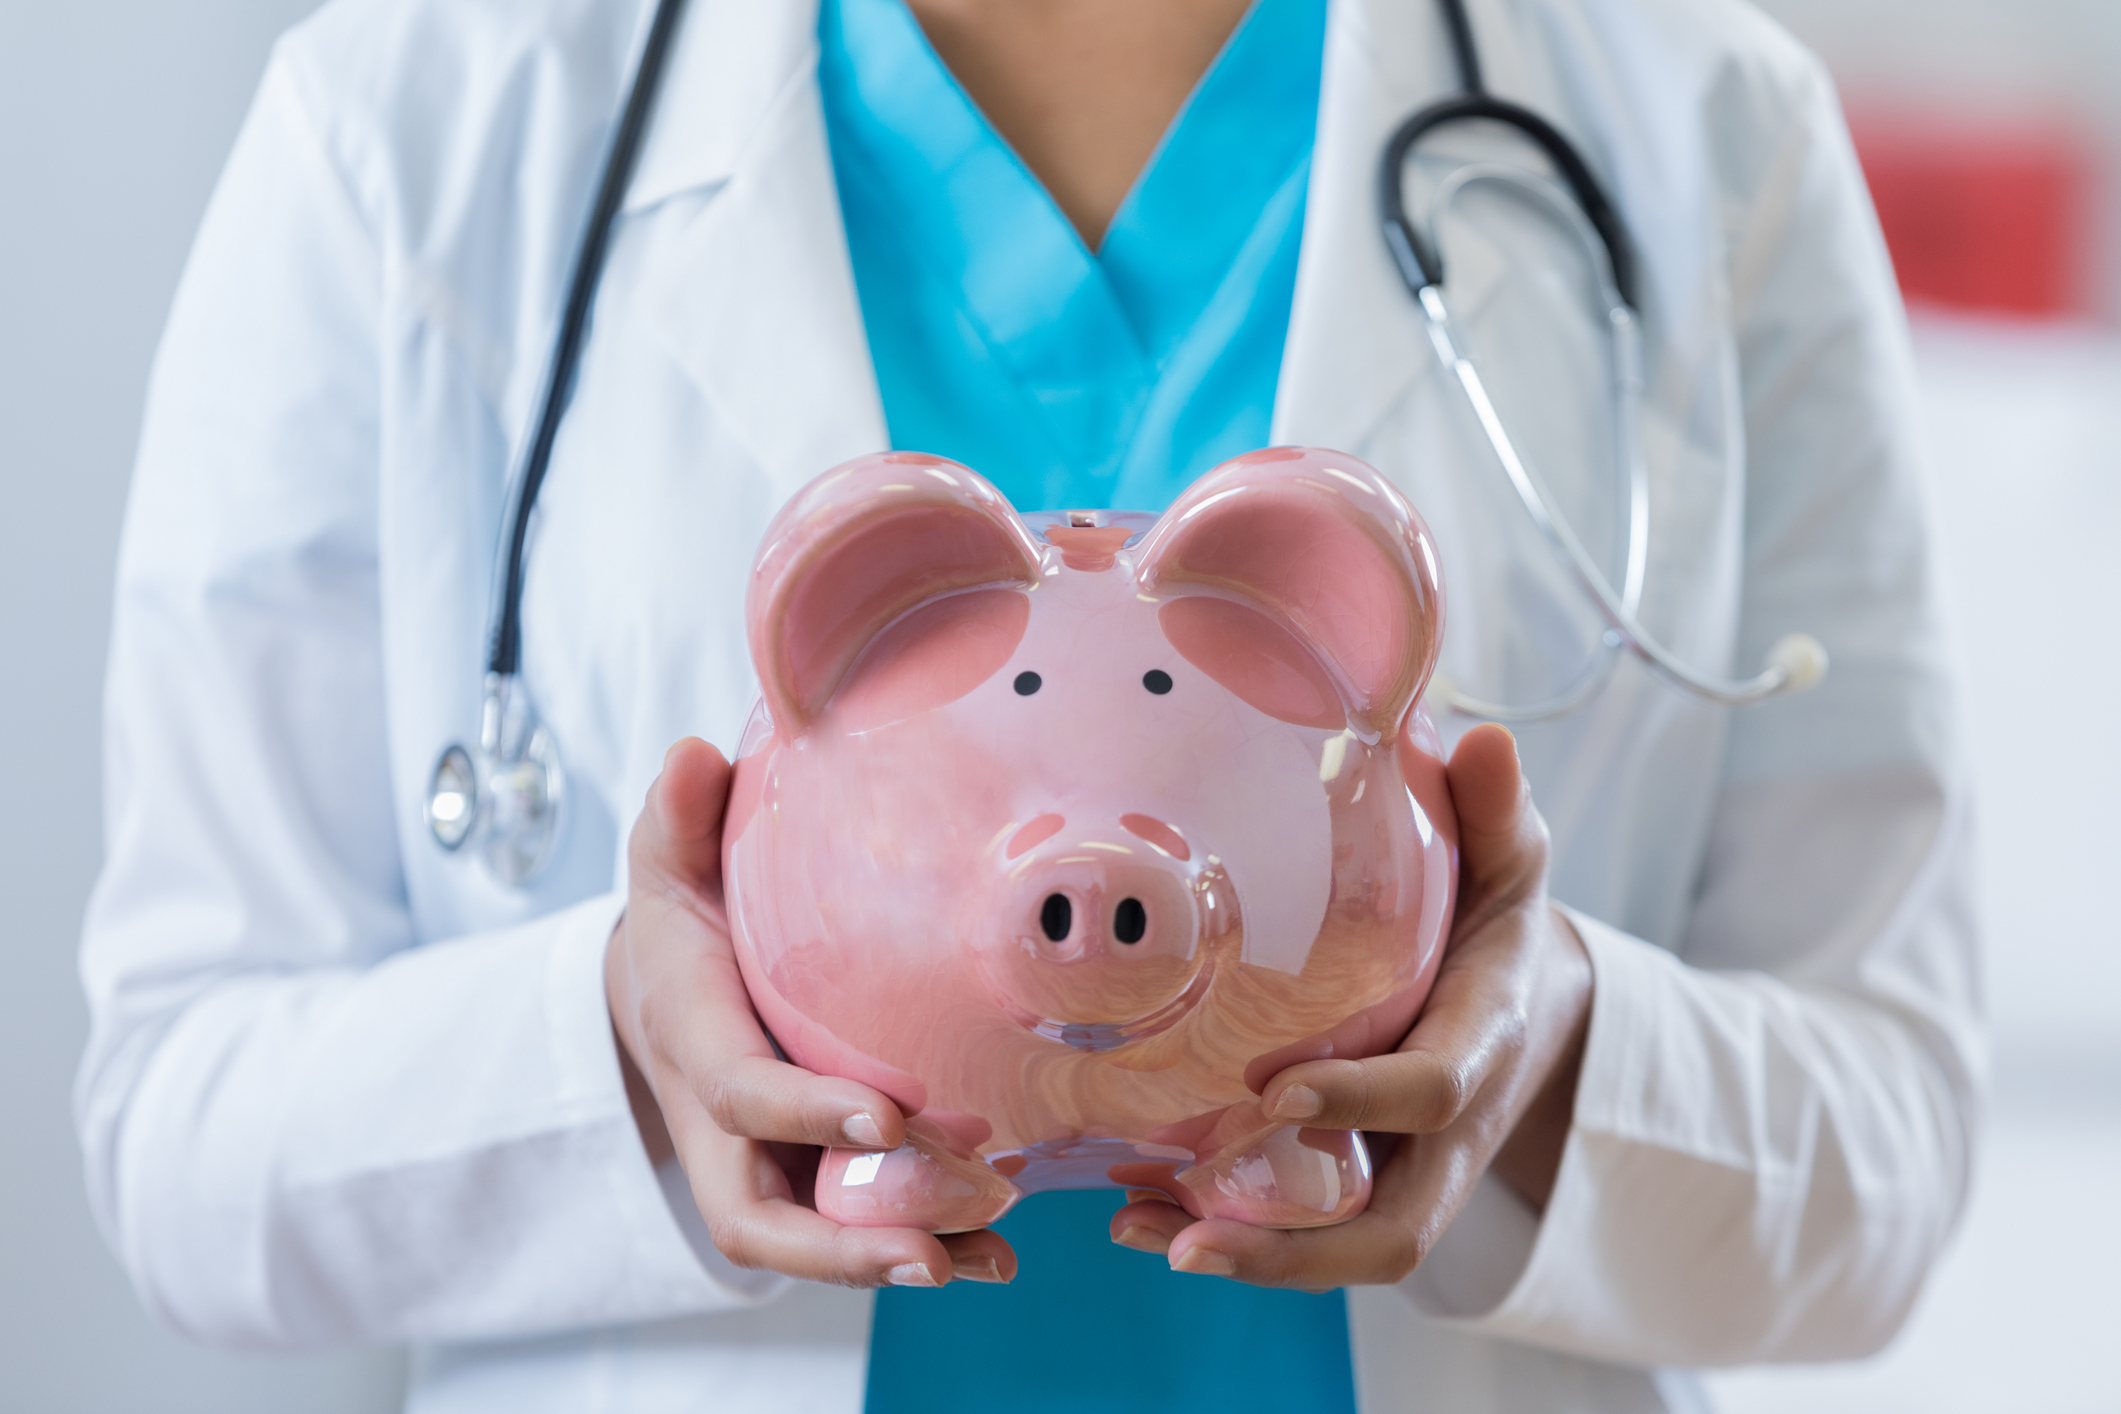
{"x": 856, "y": 549}
{"x": 1324, "y": 544}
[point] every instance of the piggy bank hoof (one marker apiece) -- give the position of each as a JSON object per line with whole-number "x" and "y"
{"x": 1287, "y": 1178}
{"x": 920, "y": 1184}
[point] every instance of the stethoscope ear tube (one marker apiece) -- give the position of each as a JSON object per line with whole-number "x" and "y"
{"x": 1796, "y": 662}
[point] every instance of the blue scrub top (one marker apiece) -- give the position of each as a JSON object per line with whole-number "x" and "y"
{"x": 1074, "y": 379}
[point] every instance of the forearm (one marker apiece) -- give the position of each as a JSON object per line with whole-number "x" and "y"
{"x": 1755, "y": 1171}
{"x": 1530, "y": 1159}
{"x": 640, "y": 1097}
{"x": 410, "y": 1151}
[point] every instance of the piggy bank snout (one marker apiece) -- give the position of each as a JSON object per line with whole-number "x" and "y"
{"x": 1083, "y": 912}
{"x": 1097, "y": 940}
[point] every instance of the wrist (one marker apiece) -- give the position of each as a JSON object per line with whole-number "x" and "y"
{"x": 640, "y": 1096}
{"x": 647, "y": 1114}
{"x": 1529, "y": 1160}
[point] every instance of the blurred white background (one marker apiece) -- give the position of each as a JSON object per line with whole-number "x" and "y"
{"x": 2024, "y": 423}
{"x": 114, "y": 117}
{"x": 2025, "y": 433}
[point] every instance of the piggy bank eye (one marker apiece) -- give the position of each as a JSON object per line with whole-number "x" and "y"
{"x": 1156, "y": 680}
{"x": 1028, "y": 683}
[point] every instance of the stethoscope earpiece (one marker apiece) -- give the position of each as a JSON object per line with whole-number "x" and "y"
{"x": 1801, "y": 659}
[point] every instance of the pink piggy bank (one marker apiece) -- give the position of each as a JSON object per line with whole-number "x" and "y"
{"x": 1068, "y": 831}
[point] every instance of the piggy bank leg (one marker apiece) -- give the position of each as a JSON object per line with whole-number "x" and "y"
{"x": 1283, "y": 1177}
{"x": 921, "y": 1184}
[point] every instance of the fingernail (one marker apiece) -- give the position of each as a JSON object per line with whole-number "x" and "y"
{"x": 911, "y": 1274}
{"x": 861, "y": 1129}
{"x": 1143, "y": 1238}
{"x": 1297, "y": 1102}
{"x": 976, "y": 1268}
{"x": 1206, "y": 1262}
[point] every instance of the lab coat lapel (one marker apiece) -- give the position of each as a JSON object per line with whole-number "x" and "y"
{"x": 1356, "y": 345}
{"x": 1355, "y": 342}
{"x": 751, "y": 290}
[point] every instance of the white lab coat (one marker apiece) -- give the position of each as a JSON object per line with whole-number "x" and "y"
{"x": 343, "y": 1088}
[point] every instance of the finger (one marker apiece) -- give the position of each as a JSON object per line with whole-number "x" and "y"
{"x": 1405, "y": 1092}
{"x": 678, "y": 835}
{"x": 1487, "y": 782}
{"x": 755, "y": 1097}
{"x": 1500, "y": 832}
{"x": 1364, "y": 1251}
{"x": 690, "y": 794}
{"x": 1412, "y": 1201}
{"x": 1157, "y": 1180}
{"x": 1149, "y": 1224}
{"x": 756, "y": 1221}
{"x": 981, "y": 1256}
{"x": 702, "y": 1037}
{"x": 1474, "y": 1015}
{"x": 779, "y": 1235}
{"x": 708, "y": 1042}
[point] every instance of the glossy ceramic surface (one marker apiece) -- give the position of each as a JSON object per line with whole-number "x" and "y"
{"x": 1067, "y": 831}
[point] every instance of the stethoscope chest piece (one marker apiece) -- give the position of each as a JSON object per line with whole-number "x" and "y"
{"x": 503, "y": 800}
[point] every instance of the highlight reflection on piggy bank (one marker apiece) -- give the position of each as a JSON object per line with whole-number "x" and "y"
{"x": 1068, "y": 831}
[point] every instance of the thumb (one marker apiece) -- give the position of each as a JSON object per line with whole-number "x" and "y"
{"x": 679, "y": 834}
{"x": 1496, "y": 820}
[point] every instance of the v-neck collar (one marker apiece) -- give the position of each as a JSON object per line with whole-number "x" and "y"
{"x": 1082, "y": 342}
{"x": 964, "y": 201}
{"x": 1243, "y": 131}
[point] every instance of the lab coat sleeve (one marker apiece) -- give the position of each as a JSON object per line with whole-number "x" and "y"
{"x": 302, "y": 1122}
{"x": 1774, "y": 1125}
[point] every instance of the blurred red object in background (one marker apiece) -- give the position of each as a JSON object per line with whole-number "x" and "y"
{"x": 1991, "y": 218}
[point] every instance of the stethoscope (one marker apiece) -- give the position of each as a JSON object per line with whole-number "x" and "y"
{"x": 504, "y": 797}
{"x": 1796, "y": 661}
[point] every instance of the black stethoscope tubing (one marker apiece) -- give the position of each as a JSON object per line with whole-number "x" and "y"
{"x": 1420, "y": 263}
{"x": 505, "y": 652}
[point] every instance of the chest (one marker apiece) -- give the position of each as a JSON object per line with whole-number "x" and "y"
{"x": 727, "y": 365}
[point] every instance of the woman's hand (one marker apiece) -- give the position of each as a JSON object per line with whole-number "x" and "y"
{"x": 1486, "y": 1079}
{"x": 707, "y": 1085}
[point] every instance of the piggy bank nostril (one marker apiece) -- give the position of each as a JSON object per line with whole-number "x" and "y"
{"x": 1056, "y": 916}
{"x": 1130, "y": 920}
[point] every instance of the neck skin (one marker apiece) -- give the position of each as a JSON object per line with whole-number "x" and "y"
{"x": 1083, "y": 90}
